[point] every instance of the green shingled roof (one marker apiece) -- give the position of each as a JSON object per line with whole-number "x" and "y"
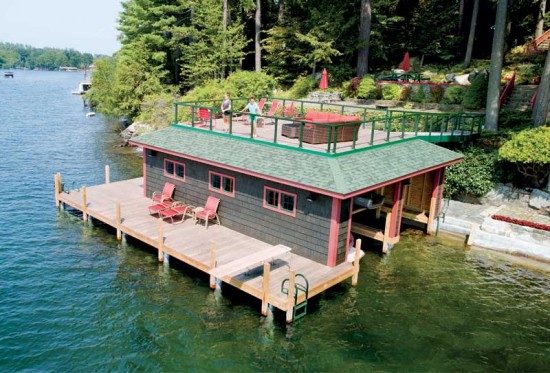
{"x": 341, "y": 174}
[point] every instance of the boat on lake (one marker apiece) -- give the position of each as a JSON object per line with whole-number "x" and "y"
{"x": 83, "y": 87}
{"x": 8, "y": 74}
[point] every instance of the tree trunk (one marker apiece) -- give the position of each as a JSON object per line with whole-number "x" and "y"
{"x": 540, "y": 110}
{"x": 471, "y": 37}
{"x": 258, "y": 54}
{"x": 281, "y": 14}
{"x": 225, "y": 17}
{"x": 540, "y": 18}
{"x": 460, "y": 16}
{"x": 364, "y": 38}
{"x": 495, "y": 71}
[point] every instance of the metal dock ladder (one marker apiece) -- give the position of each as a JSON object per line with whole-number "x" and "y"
{"x": 299, "y": 310}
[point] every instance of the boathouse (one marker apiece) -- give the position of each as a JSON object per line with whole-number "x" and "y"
{"x": 308, "y": 199}
{"x": 290, "y": 198}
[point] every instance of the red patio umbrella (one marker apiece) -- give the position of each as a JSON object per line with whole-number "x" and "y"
{"x": 406, "y": 64}
{"x": 323, "y": 84}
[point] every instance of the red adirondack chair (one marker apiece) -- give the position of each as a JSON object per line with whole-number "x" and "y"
{"x": 288, "y": 111}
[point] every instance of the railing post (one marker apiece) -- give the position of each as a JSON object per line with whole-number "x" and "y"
{"x": 175, "y": 113}
{"x": 265, "y": 288}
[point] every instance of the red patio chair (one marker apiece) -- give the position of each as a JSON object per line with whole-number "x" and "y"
{"x": 166, "y": 194}
{"x": 288, "y": 111}
{"x": 261, "y": 104}
{"x": 201, "y": 115}
{"x": 177, "y": 209}
{"x": 210, "y": 211}
{"x": 272, "y": 110}
{"x": 158, "y": 207}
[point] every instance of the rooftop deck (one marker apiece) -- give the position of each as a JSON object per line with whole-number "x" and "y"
{"x": 246, "y": 263}
{"x": 372, "y": 127}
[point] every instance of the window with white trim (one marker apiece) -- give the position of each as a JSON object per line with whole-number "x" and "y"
{"x": 280, "y": 201}
{"x": 174, "y": 170}
{"x": 221, "y": 183}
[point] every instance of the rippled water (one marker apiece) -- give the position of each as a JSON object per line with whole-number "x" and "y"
{"x": 73, "y": 298}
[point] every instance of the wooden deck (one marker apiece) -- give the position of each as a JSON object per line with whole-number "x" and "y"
{"x": 251, "y": 265}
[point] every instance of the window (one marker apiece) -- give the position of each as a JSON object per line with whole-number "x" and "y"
{"x": 280, "y": 201}
{"x": 174, "y": 170}
{"x": 221, "y": 183}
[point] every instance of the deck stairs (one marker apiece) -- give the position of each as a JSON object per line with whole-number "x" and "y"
{"x": 300, "y": 309}
{"x": 540, "y": 45}
{"x": 520, "y": 98}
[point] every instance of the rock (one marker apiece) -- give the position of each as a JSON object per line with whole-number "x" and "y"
{"x": 539, "y": 200}
{"x": 505, "y": 193}
{"x": 134, "y": 129}
{"x": 325, "y": 96}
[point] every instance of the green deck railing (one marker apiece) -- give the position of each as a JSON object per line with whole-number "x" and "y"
{"x": 395, "y": 124}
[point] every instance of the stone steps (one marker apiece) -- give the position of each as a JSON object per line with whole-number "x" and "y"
{"x": 520, "y": 98}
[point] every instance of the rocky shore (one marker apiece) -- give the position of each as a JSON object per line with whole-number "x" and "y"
{"x": 476, "y": 223}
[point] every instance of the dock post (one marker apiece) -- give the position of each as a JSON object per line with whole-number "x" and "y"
{"x": 107, "y": 174}
{"x": 356, "y": 259}
{"x": 431, "y": 216}
{"x": 57, "y": 186}
{"x": 84, "y": 204}
{"x": 290, "y": 301}
{"x": 212, "y": 263}
{"x": 118, "y": 222}
{"x": 386, "y": 233}
{"x": 161, "y": 243}
{"x": 265, "y": 294}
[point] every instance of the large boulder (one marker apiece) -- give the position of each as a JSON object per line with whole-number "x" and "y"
{"x": 539, "y": 200}
{"x": 135, "y": 129}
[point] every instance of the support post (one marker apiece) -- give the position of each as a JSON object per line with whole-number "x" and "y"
{"x": 161, "y": 243}
{"x": 84, "y": 205}
{"x": 118, "y": 222}
{"x": 212, "y": 263}
{"x": 57, "y": 186}
{"x": 265, "y": 294}
{"x": 386, "y": 233}
{"x": 290, "y": 300}
{"x": 431, "y": 215}
{"x": 107, "y": 174}
{"x": 356, "y": 258}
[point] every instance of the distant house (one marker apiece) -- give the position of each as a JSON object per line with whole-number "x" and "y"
{"x": 311, "y": 201}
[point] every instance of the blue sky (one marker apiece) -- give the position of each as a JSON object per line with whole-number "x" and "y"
{"x": 86, "y": 26}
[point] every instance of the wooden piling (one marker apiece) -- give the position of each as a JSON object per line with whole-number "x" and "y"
{"x": 160, "y": 242}
{"x": 107, "y": 174}
{"x": 431, "y": 216}
{"x": 118, "y": 222}
{"x": 265, "y": 288}
{"x": 356, "y": 259}
{"x": 212, "y": 263}
{"x": 84, "y": 204}
{"x": 290, "y": 299}
{"x": 386, "y": 233}
{"x": 57, "y": 187}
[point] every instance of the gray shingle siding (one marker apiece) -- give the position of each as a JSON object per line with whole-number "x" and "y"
{"x": 307, "y": 233}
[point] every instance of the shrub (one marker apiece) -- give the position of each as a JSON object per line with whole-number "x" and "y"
{"x": 475, "y": 175}
{"x": 508, "y": 119}
{"x": 302, "y": 87}
{"x": 391, "y": 92}
{"x": 157, "y": 110}
{"x": 352, "y": 87}
{"x": 453, "y": 95}
{"x": 367, "y": 88}
{"x": 476, "y": 94}
{"x": 419, "y": 95}
{"x": 436, "y": 93}
{"x": 406, "y": 91}
{"x": 530, "y": 151}
{"x": 249, "y": 83}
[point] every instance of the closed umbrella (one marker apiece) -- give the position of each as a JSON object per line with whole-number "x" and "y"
{"x": 406, "y": 64}
{"x": 323, "y": 84}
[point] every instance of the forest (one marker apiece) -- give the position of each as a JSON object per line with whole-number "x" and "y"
{"x": 27, "y": 57}
{"x": 172, "y": 46}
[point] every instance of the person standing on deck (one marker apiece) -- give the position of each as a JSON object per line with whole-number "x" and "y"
{"x": 253, "y": 110}
{"x": 226, "y": 108}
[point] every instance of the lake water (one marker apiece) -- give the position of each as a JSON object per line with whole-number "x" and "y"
{"x": 73, "y": 298}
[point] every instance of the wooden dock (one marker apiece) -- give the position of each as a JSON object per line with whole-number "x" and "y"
{"x": 253, "y": 266}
